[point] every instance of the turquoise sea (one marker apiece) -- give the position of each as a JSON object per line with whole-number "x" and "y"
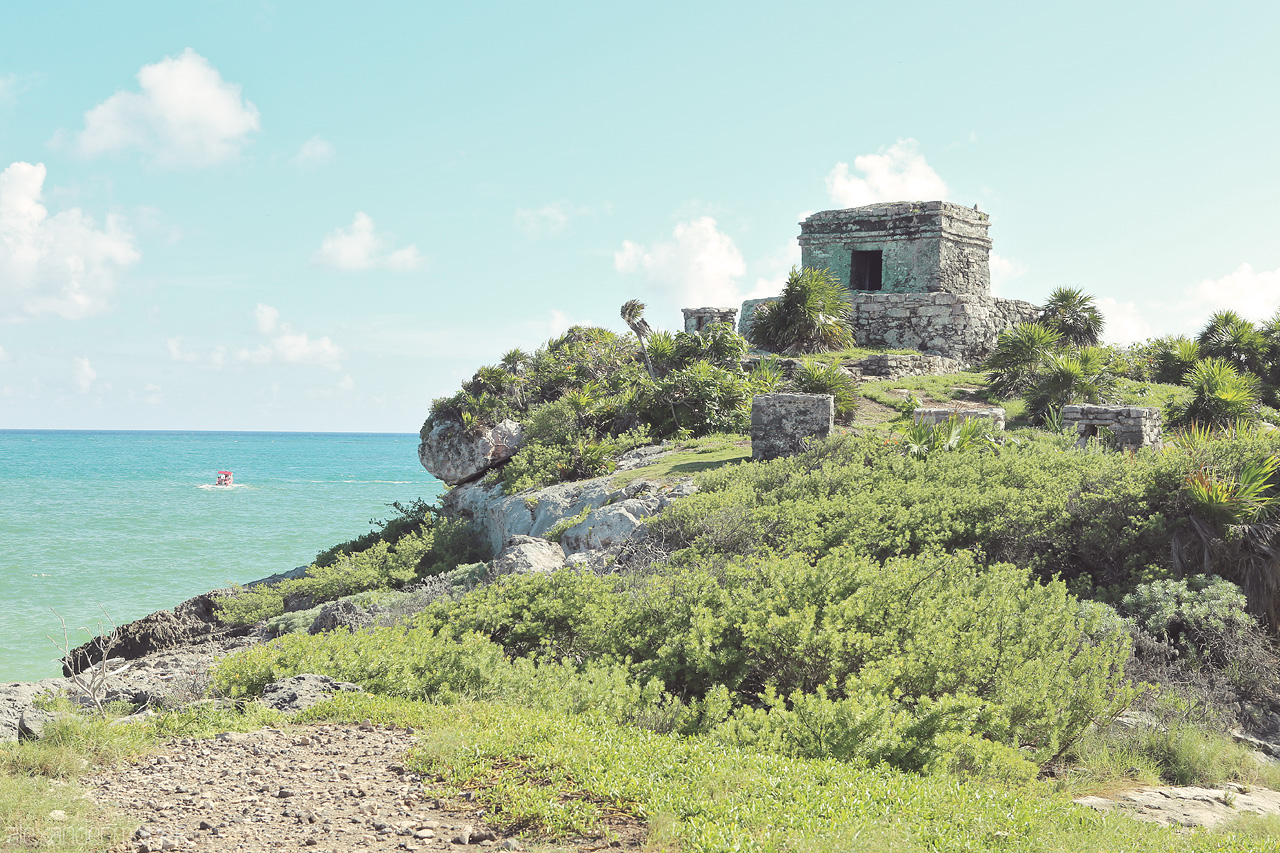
{"x": 129, "y": 523}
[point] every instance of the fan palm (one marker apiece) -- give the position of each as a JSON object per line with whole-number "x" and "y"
{"x": 1073, "y": 314}
{"x": 1221, "y": 395}
{"x": 811, "y": 315}
{"x": 1018, "y": 354}
{"x": 1234, "y": 339}
{"x": 1065, "y": 378}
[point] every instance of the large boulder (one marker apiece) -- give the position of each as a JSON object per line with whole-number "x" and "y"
{"x": 455, "y": 454}
{"x": 527, "y": 555}
{"x": 17, "y": 703}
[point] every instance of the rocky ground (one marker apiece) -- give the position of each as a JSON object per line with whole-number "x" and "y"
{"x": 320, "y": 787}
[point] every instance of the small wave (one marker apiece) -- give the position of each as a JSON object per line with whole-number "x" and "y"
{"x": 210, "y": 487}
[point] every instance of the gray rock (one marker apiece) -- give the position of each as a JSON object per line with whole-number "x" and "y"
{"x": 17, "y": 699}
{"x": 299, "y": 692}
{"x": 457, "y": 455}
{"x": 528, "y": 554}
{"x": 606, "y": 527}
{"x": 343, "y": 613}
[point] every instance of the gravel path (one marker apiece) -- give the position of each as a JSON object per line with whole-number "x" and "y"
{"x": 313, "y": 788}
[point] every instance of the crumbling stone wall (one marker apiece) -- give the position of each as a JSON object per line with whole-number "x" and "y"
{"x": 697, "y": 319}
{"x": 1133, "y": 426}
{"x": 934, "y": 416}
{"x": 892, "y": 365}
{"x": 781, "y": 424}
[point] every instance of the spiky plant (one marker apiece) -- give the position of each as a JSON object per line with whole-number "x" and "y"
{"x": 812, "y": 376}
{"x": 1066, "y": 378}
{"x": 1174, "y": 358}
{"x": 811, "y": 315}
{"x": 1019, "y": 352}
{"x": 1072, "y": 313}
{"x": 1235, "y": 340}
{"x": 1221, "y": 395}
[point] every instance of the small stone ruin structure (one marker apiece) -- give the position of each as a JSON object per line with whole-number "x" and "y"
{"x": 782, "y": 424}
{"x": 935, "y": 416}
{"x": 918, "y": 274}
{"x": 1132, "y": 426}
{"x": 697, "y": 319}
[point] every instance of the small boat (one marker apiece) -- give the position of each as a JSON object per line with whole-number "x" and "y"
{"x": 224, "y": 479}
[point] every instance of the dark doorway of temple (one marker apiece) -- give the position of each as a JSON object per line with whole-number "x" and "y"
{"x": 866, "y": 270}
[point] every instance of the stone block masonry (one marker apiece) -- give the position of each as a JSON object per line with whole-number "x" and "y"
{"x": 893, "y": 365}
{"x": 1133, "y": 426}
{"x": 697, "y": 319}
{"x": 961, "y": 327}
{"x": 934, "y": 416}
{"x": 782, "y": 424}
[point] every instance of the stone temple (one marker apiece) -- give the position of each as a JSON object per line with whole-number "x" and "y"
{"x": 918, "y": 275}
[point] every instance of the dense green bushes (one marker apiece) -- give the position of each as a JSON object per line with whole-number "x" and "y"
{"x": 929, "y": 656}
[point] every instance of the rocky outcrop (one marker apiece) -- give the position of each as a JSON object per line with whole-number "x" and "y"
{"x": 456, "y": 454}
{"x": 343, "y": 613}
{"x": 500, "y": 517}
{"x": 192, "y": 622}
{"x": 1187, "y": 806}
{"x": 17, "y": 702}
{"x": 299, "y": 692}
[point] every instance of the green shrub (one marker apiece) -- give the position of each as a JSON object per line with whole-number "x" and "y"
{"x": 812, "y": 376}
{"x": 811, "y": 315}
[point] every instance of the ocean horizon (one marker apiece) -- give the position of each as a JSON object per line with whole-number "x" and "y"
{"x": 101, "y": 526}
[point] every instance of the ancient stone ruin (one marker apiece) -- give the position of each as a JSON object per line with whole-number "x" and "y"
{"x": 1132, "y": 426}
{"x": 935, "y": 416}
{"x": 783, "y": 424}
{"x": 697, "y": 319}
{"x": 918, "y": 273}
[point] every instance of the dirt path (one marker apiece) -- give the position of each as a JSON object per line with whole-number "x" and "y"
{"x": 321, "y": 788}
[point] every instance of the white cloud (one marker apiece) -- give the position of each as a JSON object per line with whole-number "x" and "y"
{"x": 777, "y": 267}
{"x": 84, "y": 374}
{"x": 898, "y": 173}
{"x": 559, "y": 323}
{"x": 1254, "y": 294}
{"x": 185, "y": 116}
{"x": 1003, "y": 271}
{"x": 697, "y": 267}
{"x": 316, "y": 151}
{"x": 346, "y": 383}
{"x": 546, "y": 220}
{"x": 177, "y": 353}
{"x": 4, "y": 356}
{"x": 1125, "y": 323}
{"x": 287, "y": 345}
{"x": 61, "y": 264}
{"x": 361, "y": 247}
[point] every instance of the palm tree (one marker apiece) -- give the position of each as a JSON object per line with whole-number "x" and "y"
{"x": 812, "y": 315}
{"x": 1073, "y": 314}
{"x": 1221, "y": 395}
{"x": 1019, "y": 352}
{"x": 1064, "y": 378}
{"x": 1234, "y": 339}
{"x": 633, "y": 316}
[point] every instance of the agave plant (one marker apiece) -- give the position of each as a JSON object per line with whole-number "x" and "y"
{"x": 1073, "y": 314}
{"x": 663, "y": 354}
{"x": 1221, "y": 395}
{"x": 811, "y": 315}
{"x": 1019, "y": 352}
{"x": 920, "y": 439}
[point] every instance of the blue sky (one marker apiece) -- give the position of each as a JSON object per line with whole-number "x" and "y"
{"x": 313, "y": 216}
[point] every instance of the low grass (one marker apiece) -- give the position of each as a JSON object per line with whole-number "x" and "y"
{"x": 691, "y": 457}
{"x": 555, "y": 774}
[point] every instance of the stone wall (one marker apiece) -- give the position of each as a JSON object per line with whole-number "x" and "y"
{"x": 934, "y": 416}
{"x": 1133, "y": 426}
{"x": 781, "y": 424}
{"x": 964, "y": 328}
{"x": 697, "y": 319}
{"x": 892, "y": 365}
{"x": 924, "y": 246}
